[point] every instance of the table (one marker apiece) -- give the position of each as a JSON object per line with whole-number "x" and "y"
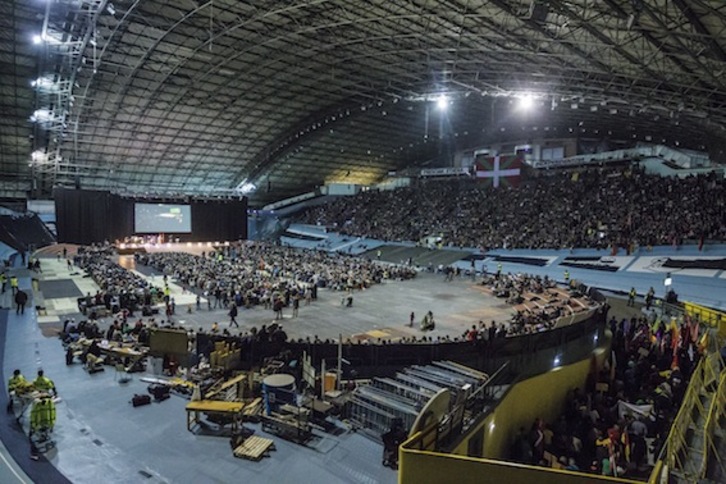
{"x": 134, "y": 356}
{"x": 214, "y": 407}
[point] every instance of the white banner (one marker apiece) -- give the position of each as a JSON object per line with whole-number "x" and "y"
{"x": 449, "y": 171}
{"x": 636, "y": 411}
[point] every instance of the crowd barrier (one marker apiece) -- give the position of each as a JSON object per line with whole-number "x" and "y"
{"x": 525, "y": 354}
{"x": 715, "y": 415}
{"x": 708, "y": 316}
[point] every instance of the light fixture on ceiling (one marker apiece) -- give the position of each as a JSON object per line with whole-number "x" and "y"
{"x": 442, "y": 102}
{"x": 246, "y": 187}
{"x": 526, "y": 101}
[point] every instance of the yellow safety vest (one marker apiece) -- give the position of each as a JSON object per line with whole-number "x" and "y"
{"x": 13, "y": 281}
{"x": 42, "y": 414}
{"x": 16, "y": 381}
{"x": 43, "y": 383}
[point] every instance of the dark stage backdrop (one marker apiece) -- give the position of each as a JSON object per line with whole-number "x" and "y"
{"x": 87, "y": 216}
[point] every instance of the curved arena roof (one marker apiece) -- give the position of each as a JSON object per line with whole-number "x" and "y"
{"x": 197, "y": 97}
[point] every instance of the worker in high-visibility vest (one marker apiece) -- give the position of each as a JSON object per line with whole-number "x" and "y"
{"x": 567, "y": 276}
{"x": 42, "y": 415}
{"x": 44, "y": 384}
{"x": 3, "y": 281}
{"x": 631, "y": 296}
{"x": 16, "y": 385}
{"x": 16, "y": 381}
{"x": 42, "y": 421}
{"x": 14, "y": 283}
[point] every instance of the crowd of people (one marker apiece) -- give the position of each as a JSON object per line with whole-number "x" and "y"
{"x": 594, "y": 208}
{"x": 543, "y": 304}
{"x": 608, "y": 428}
{"x": 253, "y": 274}
{"x": 119, "y": 288}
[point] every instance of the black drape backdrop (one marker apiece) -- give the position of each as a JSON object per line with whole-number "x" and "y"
{"x": 219, "y": 220}
{"x": 86, "y": 216}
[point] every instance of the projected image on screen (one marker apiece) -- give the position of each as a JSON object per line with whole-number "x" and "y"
{"x": 162, "y": 218}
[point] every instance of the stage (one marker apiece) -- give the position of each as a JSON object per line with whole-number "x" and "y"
{"x": 196, "y": 248}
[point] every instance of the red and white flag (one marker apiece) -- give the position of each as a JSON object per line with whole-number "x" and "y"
{"x": 500, "y": 169}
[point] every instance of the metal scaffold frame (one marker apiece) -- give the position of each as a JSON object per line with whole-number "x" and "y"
{"x": 69, "y": 27}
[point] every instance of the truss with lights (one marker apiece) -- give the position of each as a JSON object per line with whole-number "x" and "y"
{"x": 68, "y": 27}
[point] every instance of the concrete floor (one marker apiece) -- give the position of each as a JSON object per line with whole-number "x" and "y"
{"x": 102, "y": 438}
{"x": 380, "y": 311}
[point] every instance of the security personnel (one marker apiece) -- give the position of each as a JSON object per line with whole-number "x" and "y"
{"x": 44, "y": 384}
{"x": 499, "y": 269}
{"x": 567, "y": 276}
{"x": 631, "y": 296}
{"x": 3, "y": 281}
{"x": 14, "y": 283}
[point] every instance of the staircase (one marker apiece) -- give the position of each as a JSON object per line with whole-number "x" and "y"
{"x": 700, "y": 459}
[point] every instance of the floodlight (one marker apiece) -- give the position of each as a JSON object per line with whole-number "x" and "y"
{"x": 526, "y": 102}
{"x": 37, "y": 39}
{"x": 442, "y": 102}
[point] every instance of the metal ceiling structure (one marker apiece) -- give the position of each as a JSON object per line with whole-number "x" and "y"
{"x": 206, "y": 97}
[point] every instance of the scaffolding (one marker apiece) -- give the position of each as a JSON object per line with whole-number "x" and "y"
{"x": 67, "y": 43}
{"x": 374, "y": 407}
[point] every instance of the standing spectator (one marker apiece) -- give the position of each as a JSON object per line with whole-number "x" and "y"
{"x": 649, "y": 297}
{"x": 295, "y": 306}
{"x": 233, "y": 311}
{"x": 21, "y": 299}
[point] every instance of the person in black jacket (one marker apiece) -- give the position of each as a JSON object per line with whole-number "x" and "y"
{"x": 21, "y": 299}
{"x": 233, "y": 311}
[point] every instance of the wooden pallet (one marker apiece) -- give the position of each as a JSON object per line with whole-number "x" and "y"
{"x": 254, "y": 448}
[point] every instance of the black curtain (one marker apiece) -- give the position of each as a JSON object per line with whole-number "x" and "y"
{"x": 219, "y": 220}
{"x": 87, "y": 216}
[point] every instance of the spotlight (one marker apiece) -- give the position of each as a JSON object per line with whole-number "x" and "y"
{"x": 526, "y": 102}
{"x": 37, "y": 39}
{"x": 442, "y": 102}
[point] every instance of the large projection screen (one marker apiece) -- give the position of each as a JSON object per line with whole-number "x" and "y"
{"x": 162, "y": 218}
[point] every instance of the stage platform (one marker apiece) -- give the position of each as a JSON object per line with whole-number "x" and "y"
{"x": 196, "y": 248}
